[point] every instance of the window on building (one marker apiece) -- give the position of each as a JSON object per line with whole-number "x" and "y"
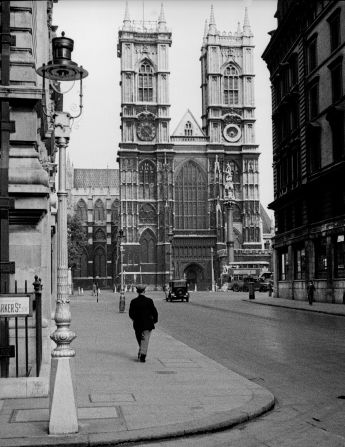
{"x": 336, "y": 120}
{"x": 300, "y": 263}
{"x": 191, "y": 197}
{"x": 231, "y": 85}
{"x": 147, "y": 180}
{"x": 82, "y": 210}
{"x": 314, "y": 147}
{"x": 145, "y": 82}
{"x": 336, "y": 79}
{"x": 340, "y": 256}
{"x": 283, "y": 265}
{"x": 334, "y": 29}
{"x": 312, "y": 54}
{"x": 321, "y": 258}
{"x": 314, "y": 100}
{"x": 188, "y": 129}
{"x": 98, "y": 212}
{"x": 293, "y": 69}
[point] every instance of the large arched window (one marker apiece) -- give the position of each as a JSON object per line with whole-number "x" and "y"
{"x": 98, "y": 212}
{"x": 81, "y": 210}
{"x": 148, "y": 248}
{"x": 145, "y": 82}
{"x": 231, "y": 85}
{"x": 147, "y": 180}
{"x": 191, "y": 198}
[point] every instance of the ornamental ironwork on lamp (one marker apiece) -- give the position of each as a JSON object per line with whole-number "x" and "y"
{"x": 63, "y": 417}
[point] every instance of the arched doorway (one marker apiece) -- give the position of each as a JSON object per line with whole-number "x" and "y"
{"x": 194, "y": 274}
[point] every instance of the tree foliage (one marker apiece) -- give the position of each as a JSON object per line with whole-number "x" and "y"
{"x": 76, "y": 240}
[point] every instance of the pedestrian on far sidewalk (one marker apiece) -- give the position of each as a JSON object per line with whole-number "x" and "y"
{"x": 310, "y": 292}
{"x": 144, "y": 315}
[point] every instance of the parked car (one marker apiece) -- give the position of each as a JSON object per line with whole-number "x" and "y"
{"x": 240, "y": 283}
{"x": 178, "y": 290}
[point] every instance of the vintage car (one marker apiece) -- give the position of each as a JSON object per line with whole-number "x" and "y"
{"x": 178, "y": 290}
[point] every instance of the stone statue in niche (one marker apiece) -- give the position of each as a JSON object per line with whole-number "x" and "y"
{"x": 229, "y": 193}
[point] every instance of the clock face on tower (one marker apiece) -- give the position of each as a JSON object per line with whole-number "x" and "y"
{"x": 146, "y": 130}
{"x": 232, "y": 133}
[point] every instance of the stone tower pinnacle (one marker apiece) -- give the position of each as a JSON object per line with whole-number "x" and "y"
{"x": 212, "y": 29}
{"x": 161, "y": 20}
{"x": 246, "y": 25}
{"x": 126, "y": 20}
{"x": 239, "y": 29}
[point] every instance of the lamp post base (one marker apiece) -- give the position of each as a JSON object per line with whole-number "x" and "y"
{"x": 63, "y": 418}
{"x": 122, "y": 303}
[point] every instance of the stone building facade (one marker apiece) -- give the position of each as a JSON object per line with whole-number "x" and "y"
{"x": 172, "y": 184}
{"x": 93, "y": 194}
{"x": 307, "y": 75}
{"x": 27, "y": 176}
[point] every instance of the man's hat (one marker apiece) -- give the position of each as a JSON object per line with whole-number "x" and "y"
{"x": 140, "y": 288}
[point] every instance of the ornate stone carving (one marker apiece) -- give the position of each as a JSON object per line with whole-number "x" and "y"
{"x": 147, "y": 213}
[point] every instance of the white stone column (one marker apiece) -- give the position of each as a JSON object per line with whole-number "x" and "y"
{"x": 62, "y": 406}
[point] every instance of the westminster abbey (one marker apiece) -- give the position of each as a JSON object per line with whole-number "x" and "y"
{"x": 169, "y": 196}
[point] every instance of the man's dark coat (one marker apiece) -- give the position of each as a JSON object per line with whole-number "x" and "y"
{"x": 143, "y": 313}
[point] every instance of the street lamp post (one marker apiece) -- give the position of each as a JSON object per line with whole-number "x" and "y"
{"x": 122, "y": 302}
{"x": 213, "y": 289}
{"x": 63, "y": 417}
{"x": 171, "y": 238}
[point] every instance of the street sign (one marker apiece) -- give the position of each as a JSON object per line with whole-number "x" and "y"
{"x": 15, "y": 305}
{"x": 7, "y": 267}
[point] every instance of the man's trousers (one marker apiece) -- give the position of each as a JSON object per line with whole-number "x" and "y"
{"x": 143, "y": 338}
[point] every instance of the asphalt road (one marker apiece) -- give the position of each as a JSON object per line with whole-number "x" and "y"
{"x": 298, "y": 356}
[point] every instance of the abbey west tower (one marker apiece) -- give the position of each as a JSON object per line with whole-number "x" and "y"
{"x": 179, "y": 192}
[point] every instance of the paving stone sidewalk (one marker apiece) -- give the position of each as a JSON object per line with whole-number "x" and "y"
{"x": 178, "y": 391}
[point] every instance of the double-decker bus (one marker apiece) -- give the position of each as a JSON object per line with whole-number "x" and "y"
{"x": 244, "y": 269}
{"x": 236, "y": 274}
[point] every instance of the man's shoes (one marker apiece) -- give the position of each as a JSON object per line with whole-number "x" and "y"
{"x": 142, "y": 358}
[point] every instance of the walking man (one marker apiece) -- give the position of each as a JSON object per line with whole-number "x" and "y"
{"x": 310, "y": 292}
{"x": 144, "y": 315}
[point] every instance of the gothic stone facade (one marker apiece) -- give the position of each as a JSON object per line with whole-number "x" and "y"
{"x": 307, "y": 73}
{"x": 172, "y": 185}
{"x": 93, "y": 194}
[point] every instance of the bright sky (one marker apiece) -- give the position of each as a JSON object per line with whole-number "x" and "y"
{"x": 94, "y": 25}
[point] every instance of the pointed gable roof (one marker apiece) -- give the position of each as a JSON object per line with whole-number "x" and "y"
{"x": 180, "y": 129}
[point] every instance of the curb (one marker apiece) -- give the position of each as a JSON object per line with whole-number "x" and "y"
{"x": 295, "y": 308}
{"x": 261, "y": 402}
